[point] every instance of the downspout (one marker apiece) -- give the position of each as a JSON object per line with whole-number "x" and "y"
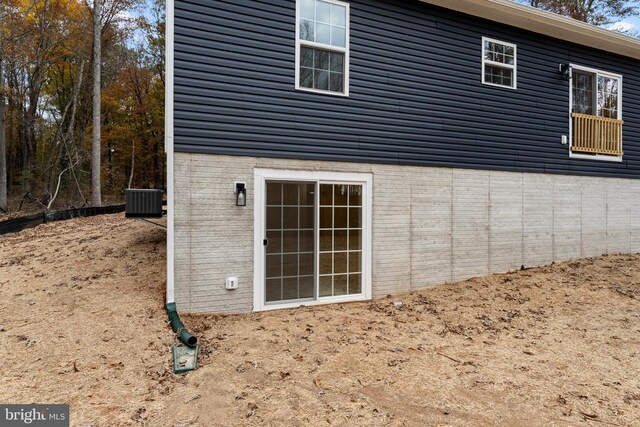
{"x": 178, "y": 327}
{"x": 176, "y": 324}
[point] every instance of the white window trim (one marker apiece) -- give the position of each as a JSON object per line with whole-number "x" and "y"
{"x": 601, "y": 157}
{"x": 344, "y": 50}
{"x": 259, "y": 217}
{"x": 513, "y": 67}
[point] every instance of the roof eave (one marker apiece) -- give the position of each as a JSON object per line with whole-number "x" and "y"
{"x": 547, "y": 23}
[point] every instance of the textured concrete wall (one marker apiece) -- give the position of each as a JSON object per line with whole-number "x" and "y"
{"x": 430, "y": 225}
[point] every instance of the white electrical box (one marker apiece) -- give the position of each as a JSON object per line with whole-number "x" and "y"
{"x": 565, "y": 140}
{"x": 231, "y": 283}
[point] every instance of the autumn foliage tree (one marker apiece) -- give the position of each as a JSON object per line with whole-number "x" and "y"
{"x": 46, "y": 55}
{"x": 596, "y": 12}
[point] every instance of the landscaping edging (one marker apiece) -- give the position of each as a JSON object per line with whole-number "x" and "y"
{"x": 18, "y": 224}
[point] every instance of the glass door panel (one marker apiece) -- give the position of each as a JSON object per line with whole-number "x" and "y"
{"x": 583, "y": 93}
{"x": 290, "y": 241}
{"x": 340, "y": 240}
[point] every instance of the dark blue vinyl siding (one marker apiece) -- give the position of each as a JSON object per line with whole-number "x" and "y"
{"x": 416, "y": 96}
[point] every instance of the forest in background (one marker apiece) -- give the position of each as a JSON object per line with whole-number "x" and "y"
{"x": 46, "y": 90}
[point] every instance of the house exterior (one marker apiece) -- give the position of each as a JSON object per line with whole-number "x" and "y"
{"x": 328, "y": 151}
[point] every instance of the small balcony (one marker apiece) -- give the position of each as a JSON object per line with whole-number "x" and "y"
{"x": 596, "y": 135}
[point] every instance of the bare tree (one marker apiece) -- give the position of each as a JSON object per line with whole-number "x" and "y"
{"x": 65, "y": 139}
{"x": 133, "y": 161}
{"x": 96, "y": 196}
{"x": 4, "y": 206}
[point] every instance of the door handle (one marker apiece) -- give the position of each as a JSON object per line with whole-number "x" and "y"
{"x": 265, "y": 242}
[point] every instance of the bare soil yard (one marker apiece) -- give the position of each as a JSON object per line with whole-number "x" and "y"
{"x": 82, "y": 322}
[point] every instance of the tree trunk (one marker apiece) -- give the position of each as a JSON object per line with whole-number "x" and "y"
{"x": 156, "y": 165}
{"x": 133, "y": 161}
{"x": 3, "y": 142}
{"x": 96, "y": 197}
{"x": 72, "y": 123}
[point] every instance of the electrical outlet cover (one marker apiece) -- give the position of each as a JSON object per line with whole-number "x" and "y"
{"x": 231, "y": 283}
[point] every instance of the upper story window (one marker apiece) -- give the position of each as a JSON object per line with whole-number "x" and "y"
{"x": 322, "y": 46}
{"x": 596, "y": 93}
{"x": 499, "y": 63}
{"x": 596, "y": 114}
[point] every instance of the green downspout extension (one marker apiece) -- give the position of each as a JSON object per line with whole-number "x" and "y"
{"x": 178, "y": 327}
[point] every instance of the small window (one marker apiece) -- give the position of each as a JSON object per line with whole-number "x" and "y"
{"x": 498, "y": 63}
{"x": 322, "y": 46}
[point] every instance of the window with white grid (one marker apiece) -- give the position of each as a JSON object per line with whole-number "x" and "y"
{"x": 499, "y": 63}
{"x": 322, "y": 46}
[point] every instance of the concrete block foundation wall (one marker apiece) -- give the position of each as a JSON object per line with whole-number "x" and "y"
{"x": 430, "y": 225}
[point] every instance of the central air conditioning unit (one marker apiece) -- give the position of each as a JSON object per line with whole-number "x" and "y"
{"x": 143, "y": 203}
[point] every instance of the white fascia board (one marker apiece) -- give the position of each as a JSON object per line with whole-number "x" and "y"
{"x": 547, "y": 23}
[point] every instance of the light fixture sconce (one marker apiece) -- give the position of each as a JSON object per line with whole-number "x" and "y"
{"x": 240, "y": 190}
{"x": 565, "y": 70}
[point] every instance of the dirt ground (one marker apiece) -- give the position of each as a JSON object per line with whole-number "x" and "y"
{"x": 82, "y": 322}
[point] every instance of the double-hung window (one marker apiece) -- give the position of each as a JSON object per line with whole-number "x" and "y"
{"x": 499, "y": 63}
{"x": 596, "y": 113}
{"x": 322, "y": 46}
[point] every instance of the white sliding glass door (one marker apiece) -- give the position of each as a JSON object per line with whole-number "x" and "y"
{"x": 340, "y": 239}
{"x": 313, "y": 238}
{"x": 289, "y": 241}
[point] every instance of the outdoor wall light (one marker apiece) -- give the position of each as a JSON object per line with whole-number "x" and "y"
{"x": 565, "y": 70}
{"x": 241, "y": 193}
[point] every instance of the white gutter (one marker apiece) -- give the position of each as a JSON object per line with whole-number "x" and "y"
{"x": 168, "y": 145}
{"x": 561, "y": 27}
